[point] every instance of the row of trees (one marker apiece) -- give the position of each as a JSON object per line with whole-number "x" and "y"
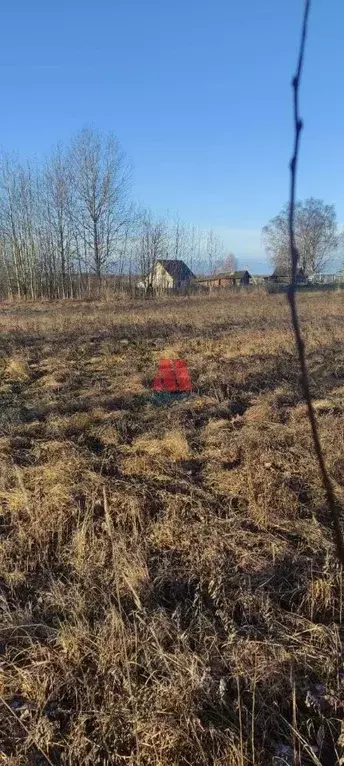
{"x": 68, "y": 220}
{"x": 317, "y": 235}
{"x": 57, "y": 217}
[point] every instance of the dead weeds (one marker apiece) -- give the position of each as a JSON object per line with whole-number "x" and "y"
{"x": 169, "y": 591}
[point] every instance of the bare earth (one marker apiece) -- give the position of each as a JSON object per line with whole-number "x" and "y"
{"x": 169, "y": 590}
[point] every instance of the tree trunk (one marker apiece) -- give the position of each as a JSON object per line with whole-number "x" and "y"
{"x": 97, "y": 261}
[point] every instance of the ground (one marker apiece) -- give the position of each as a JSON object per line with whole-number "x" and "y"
{"x": 169, "y": 589}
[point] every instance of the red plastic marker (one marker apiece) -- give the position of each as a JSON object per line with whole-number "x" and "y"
{"x": 182, "y": 375}
{"x": 172, "y": 376}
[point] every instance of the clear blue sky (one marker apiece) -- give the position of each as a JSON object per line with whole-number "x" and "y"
{"x": 197, "y": 91}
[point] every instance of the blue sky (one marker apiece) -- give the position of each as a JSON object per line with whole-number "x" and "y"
{"x": 197, "y": 91}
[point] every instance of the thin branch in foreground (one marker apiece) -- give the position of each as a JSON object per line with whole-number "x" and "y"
{"x": 294, "y": 256}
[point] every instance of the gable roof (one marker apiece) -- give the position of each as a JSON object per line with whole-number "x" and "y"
{"x": 177, "y": 269}
{"x": 222, "y": 275}
{"x": 281, "y": 271}
{"x": 285, "y": 271}
{"x": 240, "y": 274}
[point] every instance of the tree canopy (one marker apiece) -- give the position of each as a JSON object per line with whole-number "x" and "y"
{"x": 316, "y": 233}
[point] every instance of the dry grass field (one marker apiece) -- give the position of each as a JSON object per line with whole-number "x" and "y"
{"x": 169, "y": 590}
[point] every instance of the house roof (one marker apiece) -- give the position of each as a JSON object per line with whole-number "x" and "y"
{"x": 222, "y": 275}
{"x": 285, "y": 271}
{"x": 281, "y": 271}
{"x": 177, "y": 269}
{"x": 240, "y": 274}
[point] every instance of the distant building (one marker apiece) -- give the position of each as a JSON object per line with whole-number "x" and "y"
{"x": 225, "y": 279}
{"x": 282, "y": 276}
{"x": 241, "y": 278}
{"x": 327, "y": 279}
{"x": 167, "y": 274}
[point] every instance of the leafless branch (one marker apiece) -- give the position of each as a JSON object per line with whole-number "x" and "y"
{"x": 294, "y": 255}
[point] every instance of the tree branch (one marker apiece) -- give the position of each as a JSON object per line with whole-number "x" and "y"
{"x": 294, "y": 256}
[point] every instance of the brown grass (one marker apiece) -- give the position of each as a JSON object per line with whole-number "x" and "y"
{"x": 169, "y": 591}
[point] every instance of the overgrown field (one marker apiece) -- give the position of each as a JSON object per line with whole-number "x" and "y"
{"x": 169, "y": 590}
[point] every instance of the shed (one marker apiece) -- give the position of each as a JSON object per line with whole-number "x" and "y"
{"x": 225, "y": 279}
{"x": 282, "y": 275}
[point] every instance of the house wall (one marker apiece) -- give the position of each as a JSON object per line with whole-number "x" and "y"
{"x": 215, "y": 283}
{"x": 243, "y": 281}
{"x": 161, "y": 279}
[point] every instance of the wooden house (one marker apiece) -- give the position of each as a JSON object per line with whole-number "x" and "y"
{"x": 168, "y": 274}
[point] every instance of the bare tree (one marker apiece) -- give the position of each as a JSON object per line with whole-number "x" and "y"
{"x": 228, "y": 263}
{"x": 215, "y": 250}
{"x": 316, "y": 235}
{"x": 100, "y": 179}
{"x": 9, "y": 223}
{"x": 57, "y": 213}
{"x": 18, "y": 226}
{"x": 27, "y": 208}
{"x": 152, "y": 245}
{"x": 182, "y": 238}
{"x": 63, "y": 219}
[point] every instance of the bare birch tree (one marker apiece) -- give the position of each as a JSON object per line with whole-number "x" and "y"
{"x": 9, "y": 224}
{"x": 100, "y": 180}
{"x": 228, "y": 263}
{"x": 57, "y": 217}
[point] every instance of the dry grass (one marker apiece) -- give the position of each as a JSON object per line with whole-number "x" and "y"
{"x": 169, "y": 592}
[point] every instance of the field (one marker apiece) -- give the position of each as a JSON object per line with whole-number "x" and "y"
{"x": 169, "y": 590}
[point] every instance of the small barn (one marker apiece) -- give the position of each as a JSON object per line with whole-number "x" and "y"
{"x": 241, "y": 277}
{"x": 168, "y": 274}
{"x": 282, "y": 276}
{"x": 225, "y": 279}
